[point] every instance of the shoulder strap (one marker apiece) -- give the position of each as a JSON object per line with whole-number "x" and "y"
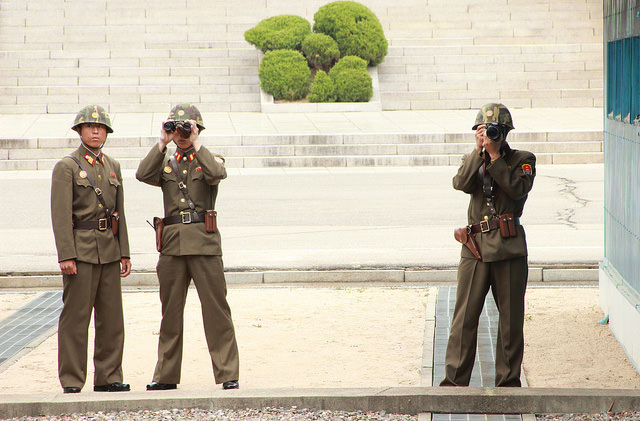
{"x": 95, "y": 189}
{"x": 181, "y": 185}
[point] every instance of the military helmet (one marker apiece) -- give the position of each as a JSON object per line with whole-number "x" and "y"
{"x": 92, "y": 114}
{"x": 186, "y": 111}
{"x": 494, "y": 113}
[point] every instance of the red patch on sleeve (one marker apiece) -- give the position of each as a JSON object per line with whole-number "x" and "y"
{"x": 526, "y": 169}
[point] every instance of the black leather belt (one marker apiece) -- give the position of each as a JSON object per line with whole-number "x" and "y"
{"x": 184, "y": 218}
{"x": 102, "y": 224}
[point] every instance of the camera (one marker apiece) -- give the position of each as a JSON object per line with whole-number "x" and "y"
{"x": 493, "y": 131}
{"x": 183, "y": 126}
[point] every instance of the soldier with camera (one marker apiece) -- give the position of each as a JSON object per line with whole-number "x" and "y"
{"x": 494, "y": 252}
{"x": 87, "y": 212}
{"x": 189, "y": 244}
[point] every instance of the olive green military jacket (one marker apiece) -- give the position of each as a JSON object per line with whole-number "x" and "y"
{"x": 201, "y": 172}
{"x": 73, "y": 199}
{"x": 513, "y": 175}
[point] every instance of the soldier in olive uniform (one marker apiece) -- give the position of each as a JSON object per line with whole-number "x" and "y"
{"x": 189, "y": 245}
{"x": 92, "y": 257}
{"x": 498, "y": 180}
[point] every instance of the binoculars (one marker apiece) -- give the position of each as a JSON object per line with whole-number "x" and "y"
{"x": 183, "y": 126}
{"x": 493, "y": 131}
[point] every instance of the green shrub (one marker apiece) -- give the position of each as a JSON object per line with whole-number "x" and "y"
{"x": 322, "y": 89}
{"x": 348, "y": 62}
{"x": 353, "y": 85}
{"x": 284, "y": 74}
{"x": 279, "y": 32}
{"x": 320, "y": 50}
{"x": 355, "y": 28}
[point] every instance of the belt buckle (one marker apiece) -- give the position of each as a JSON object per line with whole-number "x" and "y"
{"x": 484, "y": 226}
{"x": 185, "y": 217}
{"x": 102, "y": 224}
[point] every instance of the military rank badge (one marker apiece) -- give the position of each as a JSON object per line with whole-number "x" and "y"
{"x": 526, "y": 169}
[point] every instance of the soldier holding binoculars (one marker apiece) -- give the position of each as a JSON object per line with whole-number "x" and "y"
{"x": 189, "y": 244}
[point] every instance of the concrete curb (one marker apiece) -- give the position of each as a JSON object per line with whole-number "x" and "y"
{"x": 391, "y": 276}
{"x": 406, "y": 400}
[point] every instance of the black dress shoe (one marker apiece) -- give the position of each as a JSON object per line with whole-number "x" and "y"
{"x": 113, "y": 387}
{"x": 161, "y": 386}
{"x": 70, "y": 389}
{"x": 231, "y": 384}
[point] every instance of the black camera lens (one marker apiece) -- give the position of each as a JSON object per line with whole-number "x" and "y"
{"x": 493, "y": 132}
{"x": 169, "y": 126}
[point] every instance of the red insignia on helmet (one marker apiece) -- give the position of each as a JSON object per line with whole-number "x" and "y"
{"x": 526, "y": 169}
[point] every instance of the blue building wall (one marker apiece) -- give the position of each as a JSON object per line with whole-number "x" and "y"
{"x": 620, "y": 270}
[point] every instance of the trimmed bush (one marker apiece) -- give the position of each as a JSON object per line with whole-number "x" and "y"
{"x": 322, "y": 89}
{"x": 320, "y": 50}
{"x": 279, "y": 32}
{"x": 355, "y": 28}
{"x": 348, "y": 62}
{"x": 353, "y": 85}
{"x": 284, "y": 74}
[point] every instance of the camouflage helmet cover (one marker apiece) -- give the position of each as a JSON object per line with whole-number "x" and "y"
{"x": 92, "y": 114}
{"x": 186, "y": 111}
{"x": 494, "y": 113}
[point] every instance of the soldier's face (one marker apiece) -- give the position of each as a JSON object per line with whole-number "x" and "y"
{"x": 93, "y": 135}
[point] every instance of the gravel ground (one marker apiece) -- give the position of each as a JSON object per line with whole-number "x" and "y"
{"x": 264, "y": 414}
{"x": 621, "y": 416}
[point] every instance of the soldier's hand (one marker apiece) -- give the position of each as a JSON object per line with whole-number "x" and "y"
{"x": 69, "y": 267}
{"x": 125, "y": 267}
{"x": 480, "y": 138}
{"x": 492, "y": 148}
{"x": 165, "y": 138}
{"x": 193, "y": 137}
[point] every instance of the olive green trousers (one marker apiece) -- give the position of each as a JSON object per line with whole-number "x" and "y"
{"x": 508, "y": 281}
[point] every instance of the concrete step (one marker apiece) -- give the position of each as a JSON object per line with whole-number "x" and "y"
{"x": 329, "y": 161}
{"x": 384, "y": 149}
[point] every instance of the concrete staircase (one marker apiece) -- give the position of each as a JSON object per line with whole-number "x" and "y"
{"x": 143, "y": 56}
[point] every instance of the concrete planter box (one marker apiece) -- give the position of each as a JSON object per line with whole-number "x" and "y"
{"x": 269, "y": 106}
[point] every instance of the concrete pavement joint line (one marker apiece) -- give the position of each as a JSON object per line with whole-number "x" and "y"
{"x": 407, "y": 400}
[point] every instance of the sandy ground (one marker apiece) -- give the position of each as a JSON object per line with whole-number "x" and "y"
{"x": 566, "y": 347}
{"x": 343, "y": 337}
{"x": 287, "y": 337}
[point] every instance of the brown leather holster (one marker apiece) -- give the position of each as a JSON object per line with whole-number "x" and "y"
{"x": 466, "y": 237}
{"x": 115, "y": 220}
{"x": 210, "y": 223}
{"x": 158, "y": 226}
